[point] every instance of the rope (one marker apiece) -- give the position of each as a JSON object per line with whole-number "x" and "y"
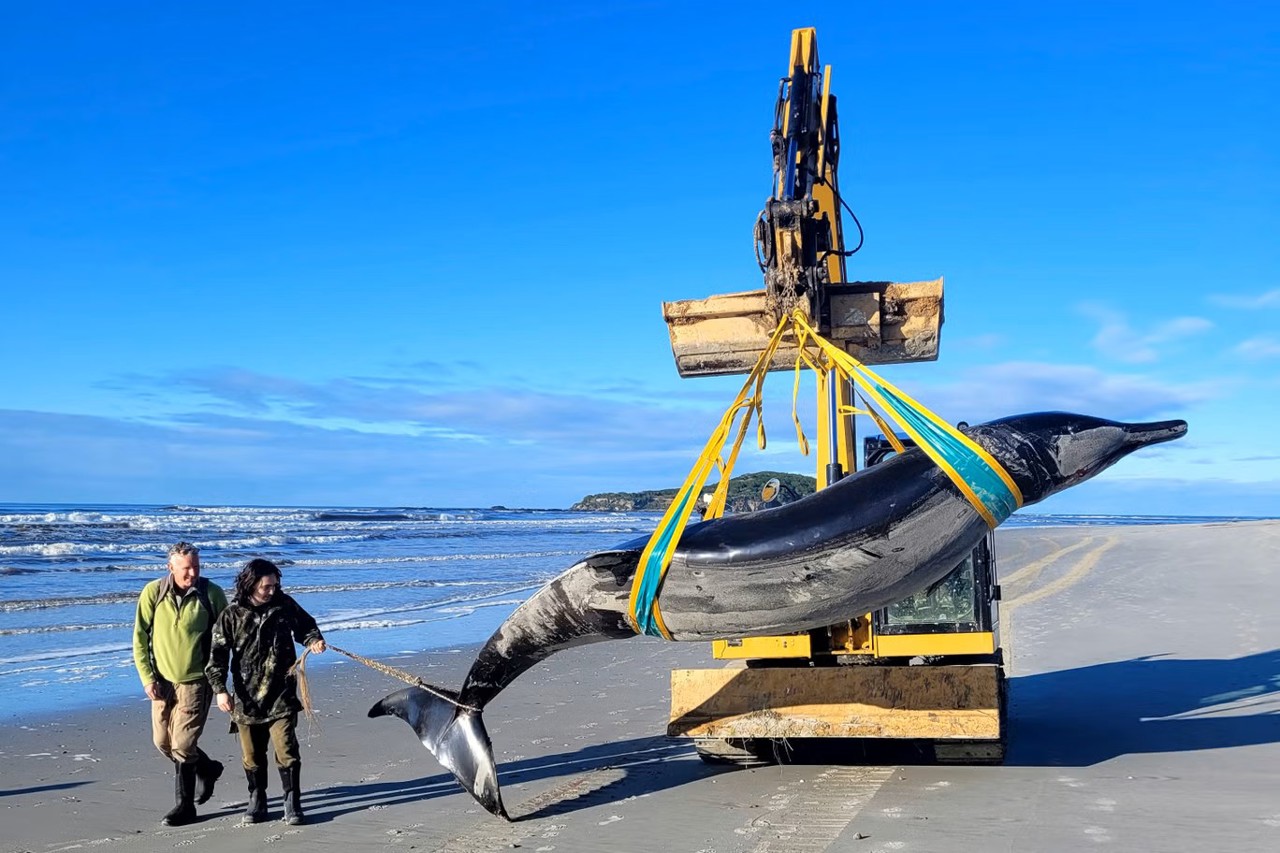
{"x": 304, "y": 692}
{"x": 299, "y": 671}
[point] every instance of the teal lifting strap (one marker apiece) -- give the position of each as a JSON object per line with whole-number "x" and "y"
{"x": 986, "y": 484}
{"x": 651, "y": 570}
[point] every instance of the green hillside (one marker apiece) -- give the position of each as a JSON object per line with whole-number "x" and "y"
{"x": 744, "y": 494}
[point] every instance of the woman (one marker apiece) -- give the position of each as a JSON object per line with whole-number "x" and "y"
{"x": 254, "y": 637}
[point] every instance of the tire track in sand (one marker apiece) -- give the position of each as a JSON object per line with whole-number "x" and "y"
{"x": 1074, "y": 575}
{"x": 496, "y": 834}
{"x": 808, "y": 817}
{"x": 1032, "y": 570}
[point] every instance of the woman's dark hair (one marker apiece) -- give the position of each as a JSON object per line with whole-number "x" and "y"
{"x": 253, "y": 571}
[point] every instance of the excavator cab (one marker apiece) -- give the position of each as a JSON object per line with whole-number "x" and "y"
{"x": 964, "y": 602}
{"x": 959, "y": 603}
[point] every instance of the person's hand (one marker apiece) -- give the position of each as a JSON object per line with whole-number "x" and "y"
{"x": 317, "y": 646}
{"x": 224, "y": 702}
{"x": 155, "y": 691}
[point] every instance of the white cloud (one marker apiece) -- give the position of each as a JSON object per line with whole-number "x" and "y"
{"x": 615, "y": 417}
{"x": 510, "y": 446}
{"x": 1117, "y": 338}
{"x": 987, "y": 342}
{"x": 1269, "y": 299}
{"x": 1025, "y": 386}
{"x": 1199, "y": 497}
{"x": 1261, "y": 347}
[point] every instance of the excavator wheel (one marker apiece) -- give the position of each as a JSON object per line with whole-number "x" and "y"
{"x": 973, "y": 753}
{"x": 739, "y": 752}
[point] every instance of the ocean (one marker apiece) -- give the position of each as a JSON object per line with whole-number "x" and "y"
{"x": 381, "y": 582}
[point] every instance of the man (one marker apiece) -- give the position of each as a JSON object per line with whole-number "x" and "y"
{"x": 171, "y": 640}
{"x": 258, "y": 630}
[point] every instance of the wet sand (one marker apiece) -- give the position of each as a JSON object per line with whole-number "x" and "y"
{"x": 1144, "y": 715}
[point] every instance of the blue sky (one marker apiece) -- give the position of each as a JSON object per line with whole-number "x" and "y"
{"x": 397, "y": 255}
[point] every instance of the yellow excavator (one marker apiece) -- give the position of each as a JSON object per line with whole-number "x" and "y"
{"x": 927, "y": 670}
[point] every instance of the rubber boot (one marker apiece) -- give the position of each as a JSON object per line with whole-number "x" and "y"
{"x": 184, "y": 787}
{"x": 292, "y": 794}
{"x": 256, "y": 809}
{"x": 207, "y": 772}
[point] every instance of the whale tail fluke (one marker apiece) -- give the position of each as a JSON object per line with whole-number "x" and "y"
{"x": 455, "y": 735}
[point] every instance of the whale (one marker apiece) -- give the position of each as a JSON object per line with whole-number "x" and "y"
{"x": 863, "y": 543}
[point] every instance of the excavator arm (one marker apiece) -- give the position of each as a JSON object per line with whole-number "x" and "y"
{"x": 799, "y": 244}
{"x": 801, "y": 251}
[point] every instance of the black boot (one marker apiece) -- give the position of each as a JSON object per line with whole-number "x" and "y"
{"x": 184, "y": 787}
{"x": 256, "y": 810}
{"x": 292, "y": 790}
{"x": 207, "y": 772}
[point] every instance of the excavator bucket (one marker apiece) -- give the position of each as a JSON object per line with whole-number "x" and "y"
{"x": 877, "y": 322}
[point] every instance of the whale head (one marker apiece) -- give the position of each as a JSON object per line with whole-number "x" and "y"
{"x": 1047, "y": 452}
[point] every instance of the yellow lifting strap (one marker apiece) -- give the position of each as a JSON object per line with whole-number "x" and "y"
{"x": 644, "y": 614}
{"x": 980, "y": 478}
{"x": 974, "y": 471}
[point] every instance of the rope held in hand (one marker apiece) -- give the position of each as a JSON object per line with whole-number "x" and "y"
{"x": 304, "y": 693}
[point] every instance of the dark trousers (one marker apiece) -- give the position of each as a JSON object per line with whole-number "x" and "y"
{"x": 283, "y": 736}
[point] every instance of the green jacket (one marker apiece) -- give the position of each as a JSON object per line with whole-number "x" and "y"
{"x": 261, "y": 639}
{"x": 171, "y": 632}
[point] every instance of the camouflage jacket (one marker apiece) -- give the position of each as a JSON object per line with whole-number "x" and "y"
{"x": 256, "y": 645}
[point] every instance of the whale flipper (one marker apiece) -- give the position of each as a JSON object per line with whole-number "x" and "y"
{"x": 454, "y": 734}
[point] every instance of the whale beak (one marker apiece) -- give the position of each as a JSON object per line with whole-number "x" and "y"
{"x": 1140, "y": 435}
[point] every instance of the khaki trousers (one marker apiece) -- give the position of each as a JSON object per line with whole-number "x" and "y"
{"x": 283, "y": 736}
{"x": 178, "y": 719}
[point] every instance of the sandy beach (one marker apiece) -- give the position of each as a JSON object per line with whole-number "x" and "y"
{"x": 1145, "y": 715}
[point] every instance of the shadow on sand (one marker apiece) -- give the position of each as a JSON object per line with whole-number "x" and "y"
{"x": 1078, "y": 717}
{"x": 40, "y": 789}
{"x": 1075, "y": 717}
{"x": 644, "y": 765}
